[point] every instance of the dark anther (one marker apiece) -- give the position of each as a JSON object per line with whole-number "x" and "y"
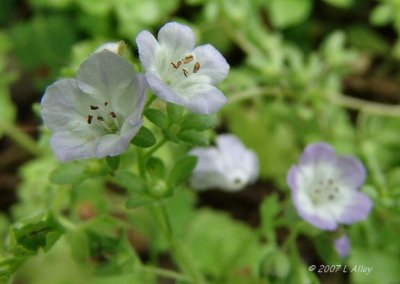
{"x": 331, "y": 196}
{"x": 196, "y": 67}
{"x": 94, "y": 107}
{"x": 105, "y": 103}
{"x": 100, "y": 118}
{"x": 330, "y": 181}
{"x": 113, "y": 114}
{"x": 89, "y": 119}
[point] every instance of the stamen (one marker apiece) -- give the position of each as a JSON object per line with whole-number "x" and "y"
{"x": 331, "y": 196}
{"x": 330, "y": 181}
{"x": 92, "y": 107}
{"x": 176, "y": 65}
{"x": 89, "y": 119}
{"x": 185, "y": 72}
{"x": 196, "y": 67}
{"x": 113, "y": 114}
{"x": 188, "y": 59}
{"x": 105, "y": 103}
{"x": 100, "y": 118}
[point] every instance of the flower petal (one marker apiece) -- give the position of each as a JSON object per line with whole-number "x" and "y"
{"x": 205, "y": 99}
{"x": 213, "y": 64}
{"x": 307, "y": 210}
{"x": 356, "y": 210}
{"x": 147, "y": 46}
{"x": 208, "y": 172}
{"x": 105, "y": 75}
{"x": 178, "y": 39}
{"x": 351, "y": 171}
{"x": 162, "y": 90}
{"x": 69, "y": 145}
{"x": 58, "y": 105}
{"x": 318, "y": 152}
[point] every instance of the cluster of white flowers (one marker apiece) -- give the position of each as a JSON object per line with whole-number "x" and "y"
{"x": 98, "y": 113}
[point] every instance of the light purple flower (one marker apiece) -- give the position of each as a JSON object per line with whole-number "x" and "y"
{"x": 342, "y": 246}
{"x": 325, "y": 187}
{"x": 228, "y": 166}
{"x": 98, "y": 113}
{"x": 180, "y": 73}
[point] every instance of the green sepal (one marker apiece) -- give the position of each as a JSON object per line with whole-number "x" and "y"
{"x": 129, "y": 181}
{"x": 113, "y": 162}
{"x": 174, "y": 112}
{"x": 193, "y": 137}
{"x": 199, "y": 122}
{"x": 157, "y": 117}
{"x": 144, "y": 138}
{"x": 30, "y": 237}
{"x": 182, "y": 170}
{"x": 155, "y": 168}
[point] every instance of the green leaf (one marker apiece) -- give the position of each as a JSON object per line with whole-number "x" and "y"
{"x": 285, "y": 13}
{"x": 222, "y": 246}
{"x": 174, "y": 112}
{"x": 144, "y": 138}
{"x": 382, "y": 15}
{"x": 70, "y": 173}
{"x": 182, "y": 170}
{"x": 129, "y": 181}
{"x": 199, "y": 122}
{"x": 157, "y": 117}
{"x": 30, "y": 237}
{"x": 193, "y": 137}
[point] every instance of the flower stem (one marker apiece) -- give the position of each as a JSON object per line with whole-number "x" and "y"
{"x": 155, "y": 148}
{"x": 21, "y": 138}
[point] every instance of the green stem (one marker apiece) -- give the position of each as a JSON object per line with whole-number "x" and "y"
{"x": 141, "y": 164}
{"x": 163, "y": 273}
{"x": 155, "y": 148}
{"x": 150, "y": 100}
{"x": 365, "y": 106}
{"x": 21, "y": 138}
{"x": 338, "y": 99}
{"x": 253, "y": 93}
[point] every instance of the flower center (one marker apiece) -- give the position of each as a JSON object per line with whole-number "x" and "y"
{"x": 103, "y": 117}
{"x": 187, "y": 66}
{"x": 325, "y": 191}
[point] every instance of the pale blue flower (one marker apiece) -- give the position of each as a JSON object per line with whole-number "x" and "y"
{"x": 228, "y": 166}
{"x": 98, "y": 113}
{"x": 342, "y": 246}
{"x": 325, "y": 187}
{"x": 180, "y": 73}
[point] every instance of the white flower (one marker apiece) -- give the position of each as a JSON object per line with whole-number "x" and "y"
{"x": 229, "y": 166}
{"x": 116, "y": 47}
{"x": 97, "y": 114}
{"x": 325, "y": 187}
{"x": 179, "y": 73}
